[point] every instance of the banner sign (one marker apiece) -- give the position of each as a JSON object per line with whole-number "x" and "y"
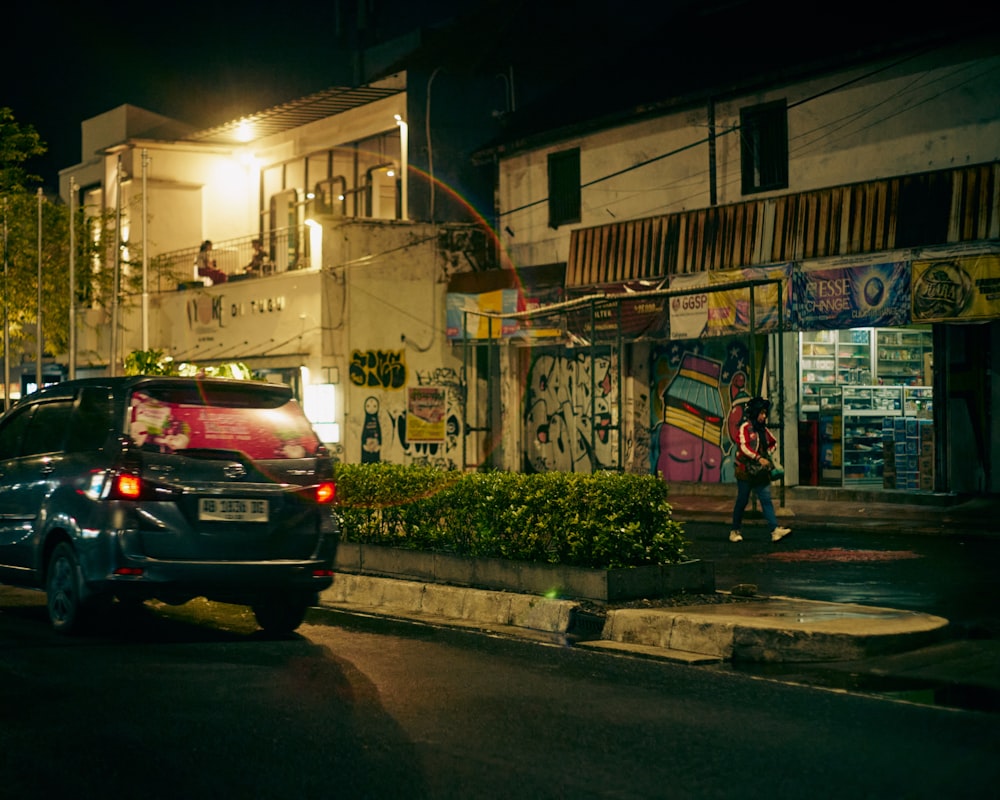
{"x": 626, "y": 311}
{"x": 722, "y": 311}
{"x": 874, "y": 296}
{"x": 956, "y": 289}
{"x": 549, "y": 326}
{"x": 462, "y": 323}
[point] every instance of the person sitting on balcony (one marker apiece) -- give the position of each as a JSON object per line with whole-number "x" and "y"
{"x": 258, "y": 262}
{"x": 205, "y": 265}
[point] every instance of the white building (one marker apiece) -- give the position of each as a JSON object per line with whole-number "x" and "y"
{"x": 347, "y": 305}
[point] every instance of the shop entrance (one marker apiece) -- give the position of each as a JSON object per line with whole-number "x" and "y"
{"x": 866, "y": 408}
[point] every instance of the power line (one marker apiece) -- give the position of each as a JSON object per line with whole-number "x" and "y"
{"x": 846, "y": 120}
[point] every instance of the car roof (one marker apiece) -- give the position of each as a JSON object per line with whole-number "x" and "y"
{"x": 130, "y": 382}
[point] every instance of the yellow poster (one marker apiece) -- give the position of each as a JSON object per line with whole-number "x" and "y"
{"x": 959, "y": 288}
{"x": 425, "y": 413}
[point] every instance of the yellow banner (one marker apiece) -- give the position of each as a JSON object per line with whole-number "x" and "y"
{"x": 721, "y": 311}
{"x": 960, "y": 288}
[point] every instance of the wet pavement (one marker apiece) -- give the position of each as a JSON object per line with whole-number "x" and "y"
{"x": 927, "y": 553}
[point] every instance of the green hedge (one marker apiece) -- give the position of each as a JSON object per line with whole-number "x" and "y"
{"x": 603, "y": 520}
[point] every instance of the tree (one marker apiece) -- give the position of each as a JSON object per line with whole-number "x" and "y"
{"x": 21, "y": 213}
{"x": 18, "y": 144}
{"x": 149, "y": 362}
{"x": 21, "y": 209}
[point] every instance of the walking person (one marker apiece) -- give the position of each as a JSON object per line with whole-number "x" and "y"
{"x": 754, "y": 443}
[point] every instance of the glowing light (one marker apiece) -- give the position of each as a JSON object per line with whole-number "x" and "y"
{"x": 315, "y": 242}
{"x": 326, "y": 492}
{"x": 244, "y": 131}
{"x": 404, "y": 145}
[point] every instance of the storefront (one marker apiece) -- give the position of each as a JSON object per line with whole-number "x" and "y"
{"x": 859, "y": 388}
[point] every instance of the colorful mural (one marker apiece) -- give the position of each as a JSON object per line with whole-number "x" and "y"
{"x": 698, "y": 390}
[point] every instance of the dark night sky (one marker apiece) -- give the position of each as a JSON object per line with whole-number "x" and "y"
{"x": 202, "y": 63}
{"x": 210, "y": 62}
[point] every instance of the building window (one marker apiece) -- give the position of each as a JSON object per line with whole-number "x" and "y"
{"x": 764, "y": 147}
{"x": 564, "y": 187}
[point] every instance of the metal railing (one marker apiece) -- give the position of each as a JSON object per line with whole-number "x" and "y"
{"x": 284, "y": 250}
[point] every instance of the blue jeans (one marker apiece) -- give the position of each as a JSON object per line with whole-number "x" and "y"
{"x": 763, "y": 492}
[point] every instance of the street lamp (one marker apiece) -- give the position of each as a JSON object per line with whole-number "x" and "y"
{"x": 404, "y": 143}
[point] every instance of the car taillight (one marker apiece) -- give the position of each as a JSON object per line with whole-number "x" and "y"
{"x": 326, "y": 492}
{"x": 128, "y": 486}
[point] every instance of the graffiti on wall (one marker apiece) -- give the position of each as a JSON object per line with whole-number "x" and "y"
{"x": 382, "y": 369}
{"x": 383, "y": 430}
{"x": 698, "y": 390}
{"x": 371, "y": 433}
{"x": 569, "y": 407}
{"x": 448, "y": 453}
{"x": 636, "y": 445}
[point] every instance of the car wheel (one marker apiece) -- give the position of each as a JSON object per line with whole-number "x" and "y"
{"x": 63, "y": 590}
{"x": 281, "y": 615}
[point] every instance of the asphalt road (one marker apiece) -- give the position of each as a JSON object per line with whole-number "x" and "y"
{"x": 196, "y": 705}
{"x": 950, "y": 576}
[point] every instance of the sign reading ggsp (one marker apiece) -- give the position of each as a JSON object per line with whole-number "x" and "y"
{"x": 689, "y": 302}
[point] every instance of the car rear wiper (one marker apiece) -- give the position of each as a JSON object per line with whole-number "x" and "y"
{"x": 212, "y": 454}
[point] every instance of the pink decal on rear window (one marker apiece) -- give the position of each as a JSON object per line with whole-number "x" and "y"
{"x": 260, "y": 433}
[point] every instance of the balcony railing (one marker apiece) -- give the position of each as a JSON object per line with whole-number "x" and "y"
{"x": 284, "y": 250}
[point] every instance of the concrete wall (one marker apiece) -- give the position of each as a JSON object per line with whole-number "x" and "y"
{"x": 925, "y": 113}
{"x": 395, "y": 280}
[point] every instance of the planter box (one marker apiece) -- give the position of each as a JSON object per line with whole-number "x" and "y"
{"x": 551, "y": 580}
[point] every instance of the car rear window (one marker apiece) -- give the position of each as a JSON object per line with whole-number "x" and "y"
{"x": 182, "y": 419}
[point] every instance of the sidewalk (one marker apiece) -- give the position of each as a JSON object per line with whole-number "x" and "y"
{"x": 884, "y": 511}
{"x": 844, "y": 646}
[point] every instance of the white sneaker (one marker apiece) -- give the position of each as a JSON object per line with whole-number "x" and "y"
{"x": 779, "y": 533}
{"x": 735, "y": 536}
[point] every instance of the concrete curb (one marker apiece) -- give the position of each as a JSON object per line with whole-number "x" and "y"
{"x": 772, "y": 630}
{"x": 779, "y": 629}
{"x": 485, "y": 607}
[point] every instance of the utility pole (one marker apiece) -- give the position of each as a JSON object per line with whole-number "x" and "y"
{"x": 72, "y": 278}
{"x": 113, "y": 359}
{"x": 38, "y": 326}
{"x": 145, "y": 256}
{"x": 6, "y": 321}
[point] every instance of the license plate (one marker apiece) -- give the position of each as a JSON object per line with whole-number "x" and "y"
{"x": 224, "y": 509}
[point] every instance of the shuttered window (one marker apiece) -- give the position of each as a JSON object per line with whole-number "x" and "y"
{"x": 764, "y": 147}
{"x": 564, "y": 187}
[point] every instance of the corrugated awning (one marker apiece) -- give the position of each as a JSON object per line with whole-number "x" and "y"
{"x": 293, "y": 114}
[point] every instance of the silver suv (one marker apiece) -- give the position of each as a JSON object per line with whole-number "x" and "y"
{"x": 127, "y": 489}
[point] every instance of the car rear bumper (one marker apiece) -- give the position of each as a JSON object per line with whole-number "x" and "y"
{"x": 242, "y": 583}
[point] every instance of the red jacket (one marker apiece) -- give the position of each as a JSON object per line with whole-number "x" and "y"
{"x": 748, "y": 444}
